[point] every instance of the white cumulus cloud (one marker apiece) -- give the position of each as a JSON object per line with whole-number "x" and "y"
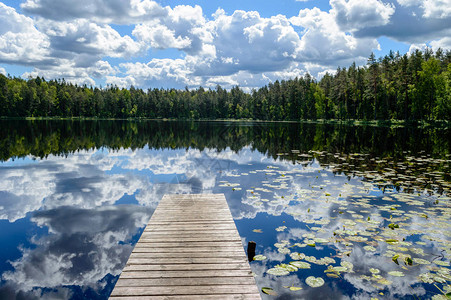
{"x": 74, "y": 50}
{"x": 413, "y": 22}
{"x": 444, "y": 43}
{"x": 72, "y": 72}
{"x": 79, "y": 41}
{"x": 102, "y": 11}
{"x": 431, "y": 8}
{"x": 239, "y": 49}
{"x": 256, "y": 44}
{"x": 84, "y": 37}
{"x": 324, "y": 43}
{"x": 355, "y": 14}
{"x": 437, "y": 9}
{"x": 181, "y": 28}
{"x": 20, "y": 41}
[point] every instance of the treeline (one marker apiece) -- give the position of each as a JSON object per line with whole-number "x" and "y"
{"x": 410, "y": 87}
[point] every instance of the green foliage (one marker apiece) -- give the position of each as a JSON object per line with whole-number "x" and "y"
{"x": 410, "y": 87}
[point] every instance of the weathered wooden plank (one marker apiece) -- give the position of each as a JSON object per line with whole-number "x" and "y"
{"x": 219, "y": 255}
{"x": 188, "y": 239}
{"x": 177, "y": 207}
{"x": 191, "y": 214}
{"x": 190, "y": 249}
{"x": 165, "y": 244}
{"x": 209, "y": 227}
{"x": 186, "y": 249}
{"x": 184, "y": 290}
{"x": 185, "y": 233}
{"x": 196, "y": 222}
{"x": 204, "y": 216}
{"x": 194, "y": 210}
{"x": 184, "y": 282}
{"x": 189, "y": 219}
{"x": 192, "y": 228}
{"x": 199, "y": 238}
{"x": 187, "y": 267}
{"x": 176, "y": 251}
{"x": 191, "y": 236}
{"x": 191, "y": 260}
{"x": 192, "y": 297}
{"x": 191, "y": 232}
{"x": 186, "y": 205}
{"x": 186, "y": 275}
{"x": 197, "y": 227}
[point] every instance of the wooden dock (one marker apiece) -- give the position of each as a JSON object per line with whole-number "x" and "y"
{"x": 190, "y": 249}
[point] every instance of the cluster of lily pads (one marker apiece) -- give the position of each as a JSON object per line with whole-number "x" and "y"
{"x": 409, "y": 172}
{"x": 355, "y": 206}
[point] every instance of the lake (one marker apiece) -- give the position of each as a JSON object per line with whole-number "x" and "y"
{"x": 336, "y": 211}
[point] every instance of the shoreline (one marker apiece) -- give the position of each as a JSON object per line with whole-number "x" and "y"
{"x": 377, "y": 123}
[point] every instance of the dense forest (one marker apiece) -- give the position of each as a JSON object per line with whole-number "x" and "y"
{"x": 414, "y": 87}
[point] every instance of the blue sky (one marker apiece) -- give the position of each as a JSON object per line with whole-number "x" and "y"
{"x": 147, "y": 43}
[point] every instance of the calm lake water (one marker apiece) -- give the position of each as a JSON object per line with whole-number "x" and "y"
{"x": 337, "y": 212}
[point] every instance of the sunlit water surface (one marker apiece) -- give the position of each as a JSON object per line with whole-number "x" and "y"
{"x": 328, "y": 224}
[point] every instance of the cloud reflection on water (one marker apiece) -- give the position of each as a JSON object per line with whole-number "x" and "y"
{"x": 84, "y": 245}
{"x": 90, "y": 238}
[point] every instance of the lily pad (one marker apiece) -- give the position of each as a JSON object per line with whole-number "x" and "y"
{"x": 281, "y": 228}
{"x": 369, "y": 248}
{"x": 300, "y": 264}
{"x": 288, "y": 267}
{"x": 391, "y": 241}
{"x": 348, "y": 265}
{"x": 326, "y": 261}
{"x": 283, "y": 250}
{"x": 340, "y": 269}
{"x": 280, "y": 245}
{"x": 314, "y": 281}
{"x": 396, "y": 273}
{"x": 426, "y": 277}
{"x": 269, "y": 291}
{"x": 439, "y": 297}
{"x": 439, "y": 279}
{"x": 259, "y": 257}
{"x": 278, "y": 271}
{"x": 321, "y": 240}
{"x": 392, "y": 226}
{"x": 421, "y": 261}
{"x": 311, "y": 259}
{"x": 441, "y": 263}
{"x": 297, "y": 256}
